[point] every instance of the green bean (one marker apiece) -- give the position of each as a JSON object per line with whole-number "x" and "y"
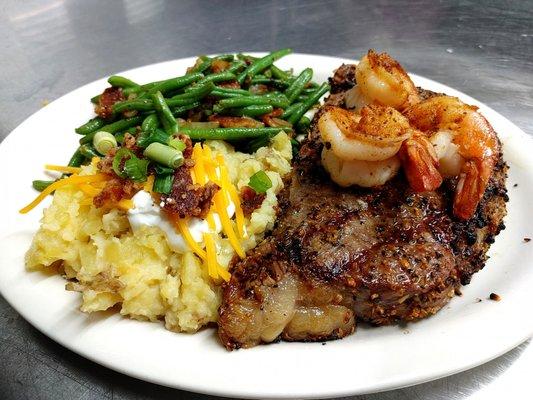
{"x": 41, "y": 185}
{"x": 165, "y": 115}
{"x": 157, "y": 135}
{"x": 95, "y": 99}
{"x": 277, "y": 83}
{"x": 225, "y": 57}
{"x": 120, "y": 81}
{"x": 203, "y": 66}
{"x": 278, "y": 73}
{"x": 77, "y": 158}
{"x": 219, "y": 77}
{"x": 207, "y": 62}
{"x": 90, "y": 126}
{"x": 88, "y": 151}
{"x": 180, "y": 100}
{"x": 298, "y": 84}
{"x": 261, "y": 64}
{"x": 260, "y": 141}
{"x": 226, "y": 92}
{"x": 276, "y": 101}
{"x": 174, "y": 83}
{"x": 311, "y": 100}
{"x": 236, "y": 66}
{"x": 178, "y": 111}
{"x": 150, "y": 123}
{"x": 117, "y": 126}
{"x": 250, "y": 111}
{"x": 308, "y": 90}
{"x": 199, "y": 125}
{"x": 229, "y": 133}
{"x": 135, "y": 104}
{"x": 289, "y": 110}
{"x": 303, "y": 125}
{"x": 195, "y": 92}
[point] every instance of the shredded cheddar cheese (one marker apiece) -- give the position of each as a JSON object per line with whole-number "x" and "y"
{"x": 64, "y": 169}
{"x": 234, "y": 196}
{"x": 220, "y": 204}
{"x": 181, "y": 224}
{"x": 71, "y": 180}
{"x": 125, "y": 204}
{"x": 149, "y": 184}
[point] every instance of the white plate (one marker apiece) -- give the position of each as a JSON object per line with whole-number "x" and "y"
{"x": 464, "y": 334}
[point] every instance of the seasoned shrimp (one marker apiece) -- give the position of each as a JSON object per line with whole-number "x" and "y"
{"x": 374, "y": 135}
{"x": 420, "y": 163}
{"x": 366, "y": 149}
{"x": 381, "y": 80}
{"x": 466, "y": 145}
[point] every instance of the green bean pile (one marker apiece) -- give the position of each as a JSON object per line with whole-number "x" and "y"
{"x": 227, "y": 85}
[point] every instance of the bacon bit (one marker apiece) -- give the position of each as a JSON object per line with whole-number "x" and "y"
{"x": 187, "y": 151}
{"x": 110, "y": 96}
{"x": 115, "y": 190}
{"x": 527, "y": 240}
{"x": 219, "y": 66}
{"x": 235, "y": 122}
{"x": 495, "y": 297}
{"x": 230, "y": 85}
{"x": 272, "y": 119}
{"x": 250, "y": 200}
{"x": 105, "y": 164}
{"x": 187, "y": 199}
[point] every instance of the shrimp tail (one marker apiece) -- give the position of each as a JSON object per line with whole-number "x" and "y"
{"x": 473, "y": 181}
{"x": 420, "y": 164}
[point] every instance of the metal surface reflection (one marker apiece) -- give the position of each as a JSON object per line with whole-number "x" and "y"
{"x": 51, "y": 47}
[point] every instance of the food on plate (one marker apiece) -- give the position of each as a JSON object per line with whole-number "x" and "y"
{"x": 395, "y": 197}
{"x": 172, "y": 180}
{"x": 213, "y": 197}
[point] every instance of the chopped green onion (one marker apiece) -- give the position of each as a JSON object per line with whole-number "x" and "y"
{"x": 260, "y": 182}
{"x": 118, "y": 163}
{"x": 176, "y": 144}
{"x": 128, "y": 165}
{"x": 164, "y": 155}
{"x": 136, "y": 169}
{"x": 163, "y": 183}
{"x": 155, "y": 136}
{"x": 104, "y": 141}
{"x": 161, "y": 170}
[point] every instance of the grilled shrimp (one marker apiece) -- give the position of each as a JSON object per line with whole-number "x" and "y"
{"x": 381, "y": 80}
{"x": 368, "y": 149}
{"x": 465, "y": 143}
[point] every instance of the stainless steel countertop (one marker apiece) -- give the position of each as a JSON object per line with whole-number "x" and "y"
{"x": 51, "y": 47}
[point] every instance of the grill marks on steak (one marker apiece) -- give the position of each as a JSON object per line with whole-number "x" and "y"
{"x": 338, "y": 255}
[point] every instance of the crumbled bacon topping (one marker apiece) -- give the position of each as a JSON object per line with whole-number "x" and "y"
{"x": 230, "y": 85}
{"x": 115, "y": 190}
{"x": 187, "y": 199}
{"x": 110, "y": 96}
{"x": 250, "y": 200}
{"x": 219, "y": 66}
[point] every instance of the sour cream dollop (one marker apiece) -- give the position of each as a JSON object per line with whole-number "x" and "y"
{"x": 145, "y": 212}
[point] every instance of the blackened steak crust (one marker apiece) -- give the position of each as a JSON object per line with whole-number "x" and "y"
{"x": 338, "y": 255}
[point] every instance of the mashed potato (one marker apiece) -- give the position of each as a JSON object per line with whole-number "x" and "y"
{"x": 137, "y": 271}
